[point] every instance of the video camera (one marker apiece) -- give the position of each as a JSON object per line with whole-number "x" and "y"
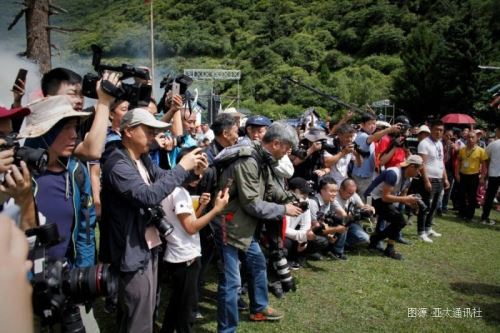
{"x": 57, "y": 288}
{"x": 136, "y": 93}
{"x": 183, "y": 82}
{"x": 35, "y": 158}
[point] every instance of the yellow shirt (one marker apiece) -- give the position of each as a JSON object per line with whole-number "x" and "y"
{"x": 470, "y": 159}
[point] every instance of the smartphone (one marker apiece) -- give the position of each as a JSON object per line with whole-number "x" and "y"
{"x": 176, "y": 88}
{"x": 227, "y": 186}
{"x": 21, "y": 75}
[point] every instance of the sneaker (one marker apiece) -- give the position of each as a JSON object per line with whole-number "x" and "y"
{"x": 439, "y": 213}
{"x": 432, "y": 233}
{"x": 242, "y": 305}
{"x": 391, "y": 253}
{"x": 425, "y": 238}
{"x": 488, "y": 222}
{"x": 339, "y": 256}
{"x": 402, "y": 240}
{"x": 294, "y": 265}
{"x": 269, "y": 314}
{"x": 315, "y": 256}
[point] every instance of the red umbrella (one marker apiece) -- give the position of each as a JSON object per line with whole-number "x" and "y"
{"x": 458, "y": 118}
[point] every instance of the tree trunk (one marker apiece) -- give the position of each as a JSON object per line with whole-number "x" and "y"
{"x": 37, "y": 34}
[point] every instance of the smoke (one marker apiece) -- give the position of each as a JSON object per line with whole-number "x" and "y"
{"x": 10, "y": 64}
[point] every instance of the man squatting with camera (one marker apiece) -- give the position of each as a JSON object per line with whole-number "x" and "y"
{"x": 388, "y": 190}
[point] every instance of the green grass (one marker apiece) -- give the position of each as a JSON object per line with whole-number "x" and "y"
{"x": 370, "y": 293}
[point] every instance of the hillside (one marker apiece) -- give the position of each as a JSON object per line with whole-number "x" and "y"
{"x": 423, "y": 54}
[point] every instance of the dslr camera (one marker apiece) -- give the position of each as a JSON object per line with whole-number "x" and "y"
{"x": 57, "y": 288}
{"x": 35, "y": 158}
{"x": 422, "y": 207}
{"x": 157, "y": 218}
{"x": 135, "y": 93}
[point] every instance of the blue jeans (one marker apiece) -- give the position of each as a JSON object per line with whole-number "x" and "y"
{"x": 356, "y": 235}
{"x": 230, "y": 283}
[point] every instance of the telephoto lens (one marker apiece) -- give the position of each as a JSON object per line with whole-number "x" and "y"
{"x": 87, "y": 283}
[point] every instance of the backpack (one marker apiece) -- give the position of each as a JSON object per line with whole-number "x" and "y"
{"x": 230, "y": 155}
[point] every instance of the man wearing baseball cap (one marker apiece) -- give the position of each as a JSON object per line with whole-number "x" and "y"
{"x": 132, "y": 185}
{"x": 387, "y": 190}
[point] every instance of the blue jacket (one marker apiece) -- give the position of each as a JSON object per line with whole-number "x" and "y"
{"x": 83, "y": 234}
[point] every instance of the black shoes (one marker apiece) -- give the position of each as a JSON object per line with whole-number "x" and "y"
{"x": 391, "y": 253}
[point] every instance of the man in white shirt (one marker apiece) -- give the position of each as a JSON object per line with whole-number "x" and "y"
{"x": 493, "y": 151}
{"x": 347, "y": 196}
{"x": 434, "y": 179}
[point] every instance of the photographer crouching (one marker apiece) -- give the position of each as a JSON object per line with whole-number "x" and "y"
{"x": 387, "y": 190}
{"x": 133, "y": 188}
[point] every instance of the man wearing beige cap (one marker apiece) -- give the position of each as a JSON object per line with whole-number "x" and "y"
{"x": 132, "y": 186}
{"x": 388, "y": 190}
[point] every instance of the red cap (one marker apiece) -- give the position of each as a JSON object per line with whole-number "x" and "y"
{"x": 13, "y": 113}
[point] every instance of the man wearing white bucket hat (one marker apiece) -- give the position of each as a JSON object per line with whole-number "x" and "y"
{"x": 62, "y": 193}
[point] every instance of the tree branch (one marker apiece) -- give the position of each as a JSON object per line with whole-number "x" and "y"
{"x": 16, "y": 19}
{"x": 64, "y": 30}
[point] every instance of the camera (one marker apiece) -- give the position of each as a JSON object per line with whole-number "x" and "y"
{"x": 329, "y": 219}
{"x": 183, "y": 82}
{"x": 325, "y": 146}
{"x": 137, "y": 94}
{"x": 304, "y": 205}
{"x": 422, "y": 207}
{"x": 280, "y": 265}
{"x": 362, "y": 153}
{"x": 57, "y": 288}
{"x": 157, "y": 218}
{"x": 35, "y": 158}
{"x": 358, "y": 213}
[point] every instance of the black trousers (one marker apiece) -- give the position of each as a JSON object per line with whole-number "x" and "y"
{"x": 491, "y": 193}
{"x": 389, "y": 213}
{"x": 431, "y": 199}
{"x": 179, "y": 315}
{"x": 468, "y": 191}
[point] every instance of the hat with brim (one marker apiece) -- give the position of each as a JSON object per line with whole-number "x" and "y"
{"x": 258, "y": 121}
{"x": 412, "y": 159}
{"x": 423, "y": 129}
{"x": 47, "y": 112}
{"x": 139, "y": 116}
{"x": 13, "y": 113}
{"x": 234, "y": 112}
{"x": 381, "y": 123}
{"x": 315, "y": 134}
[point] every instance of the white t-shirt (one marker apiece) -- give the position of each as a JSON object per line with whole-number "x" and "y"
{"x": 339, "y": 170}
{"x": 434, "y": 164}
{"x": 493, "y": 151}
{"x": 181, "y": 246}
{"x": 304, "y": 223}
{"x": 344, "y": 204}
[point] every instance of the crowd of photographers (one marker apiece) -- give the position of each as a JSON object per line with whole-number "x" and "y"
{"x": 170, "y": 196}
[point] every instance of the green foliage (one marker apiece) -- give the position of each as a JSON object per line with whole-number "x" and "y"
{"x": 422, "y": 53}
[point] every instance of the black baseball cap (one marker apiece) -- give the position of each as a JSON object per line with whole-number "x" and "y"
{"x": 301, "y": 184}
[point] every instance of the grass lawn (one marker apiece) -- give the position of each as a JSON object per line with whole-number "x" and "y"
{"x": 368, "y": 293}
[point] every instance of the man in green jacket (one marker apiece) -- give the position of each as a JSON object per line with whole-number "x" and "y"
{"x": 253, "y": 193}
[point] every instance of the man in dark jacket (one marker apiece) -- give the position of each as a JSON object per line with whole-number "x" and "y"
{"x": 131, "y": 185}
